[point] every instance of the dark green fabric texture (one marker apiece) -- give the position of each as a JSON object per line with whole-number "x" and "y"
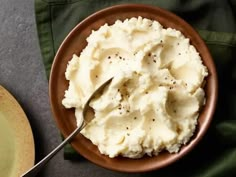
{"x": 215, "y": 156}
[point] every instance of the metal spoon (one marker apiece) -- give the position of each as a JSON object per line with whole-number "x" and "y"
{"x": 36, "y": 168}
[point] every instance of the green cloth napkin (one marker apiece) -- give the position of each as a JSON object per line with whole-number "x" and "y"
{"x": 215, "y": 156}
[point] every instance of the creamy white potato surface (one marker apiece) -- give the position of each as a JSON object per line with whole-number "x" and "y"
{"x": 154, "y": 100}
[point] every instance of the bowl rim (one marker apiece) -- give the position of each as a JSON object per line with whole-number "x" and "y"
{"x": 214, "y": 83}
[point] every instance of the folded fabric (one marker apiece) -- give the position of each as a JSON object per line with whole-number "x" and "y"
{"x": 215, "y": 155}
{"x": 55, "y": 18}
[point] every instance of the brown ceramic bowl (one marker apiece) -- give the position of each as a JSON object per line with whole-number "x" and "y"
{"x": 76, "y": 41}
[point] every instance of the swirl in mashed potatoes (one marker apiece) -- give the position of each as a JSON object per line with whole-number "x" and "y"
{"x": 154, "y": 100}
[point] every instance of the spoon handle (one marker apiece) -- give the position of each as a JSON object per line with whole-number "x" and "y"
{"x": 36, "y": 168}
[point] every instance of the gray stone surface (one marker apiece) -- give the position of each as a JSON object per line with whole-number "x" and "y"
{"x": 22, "y": 73}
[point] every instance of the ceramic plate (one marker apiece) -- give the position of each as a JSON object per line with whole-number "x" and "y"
{"x": 16, "y": 138}
{"x": 74, "y": 44}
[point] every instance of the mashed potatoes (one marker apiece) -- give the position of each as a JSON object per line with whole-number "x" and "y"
{"x": 153, "y": 102}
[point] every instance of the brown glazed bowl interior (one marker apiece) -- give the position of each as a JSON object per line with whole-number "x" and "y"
{"x": 74, "y": 44}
